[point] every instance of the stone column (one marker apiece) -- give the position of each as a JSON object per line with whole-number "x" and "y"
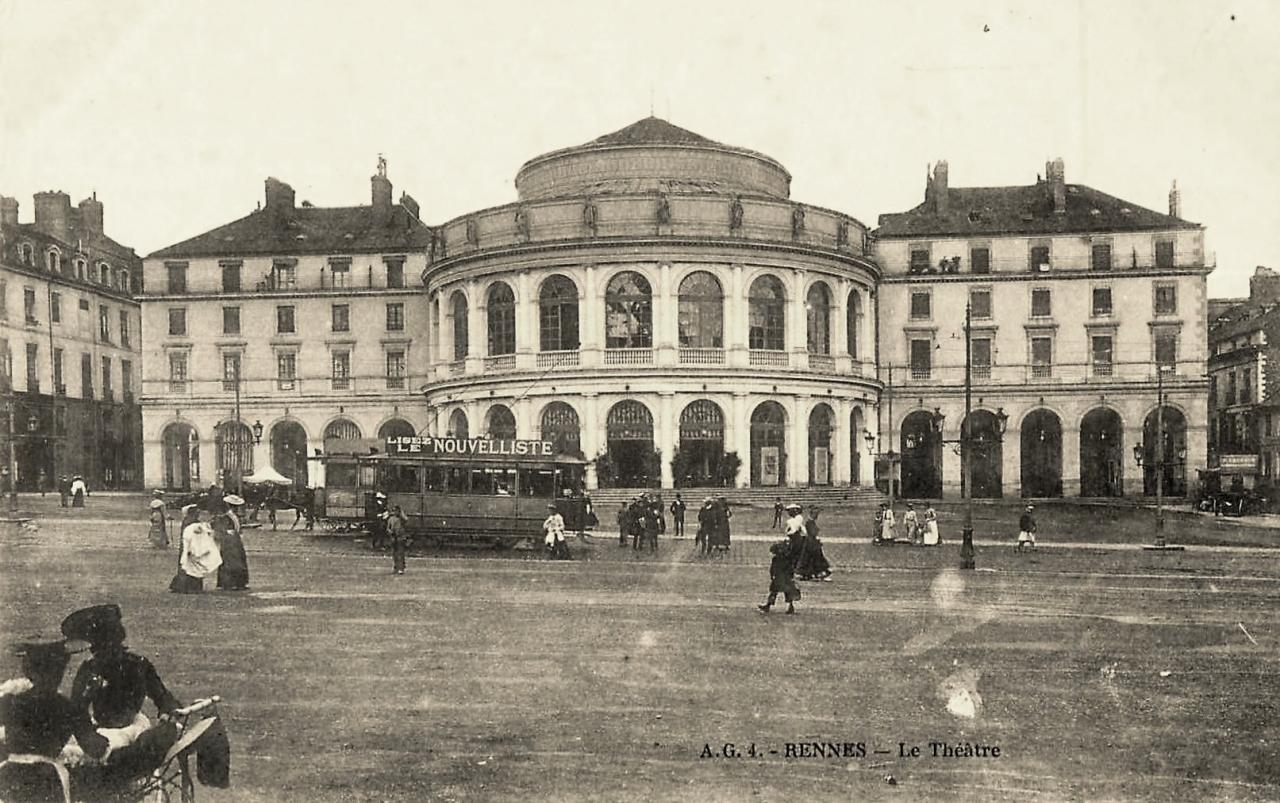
{"x": 666, "y": 434}
{"x": 589, "y": 436}
{"x": 475, "y": 411}
{"x": 736, "y": 321}
{"x": 590, "y": 312}
{"x": 739, "y": 435}
{"x": 526, "y": 427}
{"x": 840, "y": 326}
{"x": 478, "y": 343}
{"x": 798, "y": 440}
{"x": 527, "y": 332}
{"x": 797, "y": 322}
{"x": 1070, "y": 460}
{"x": 665, "y": 318}
{"x": 445, "y": 344}
{"x": 841, "y": 443}
{"x": 1011, "y": 460}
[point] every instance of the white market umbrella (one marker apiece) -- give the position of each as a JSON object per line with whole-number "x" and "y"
{"x": 267, "y": 476}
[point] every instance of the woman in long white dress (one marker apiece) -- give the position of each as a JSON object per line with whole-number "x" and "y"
{"x": 931, "y": 537}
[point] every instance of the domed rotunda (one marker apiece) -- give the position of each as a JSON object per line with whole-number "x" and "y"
{"x": 655, "y": 302}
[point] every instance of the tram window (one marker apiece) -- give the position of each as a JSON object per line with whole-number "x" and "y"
{"x": 458, "y": 481}
{"x": 340, "y": 475}
{"x": 493, "y": 481}
{"x": 398, "y": 479}
{"x": 537, "y": 482}
{"x": 368, "y": 473}
{"x": 437, "y": 478}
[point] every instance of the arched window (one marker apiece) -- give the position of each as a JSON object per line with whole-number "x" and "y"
{"x": 501, "y": 424}
{"x": 561, "y": 426}
{"x": 289, "y": 451}
{"x": 821, "y": 423}
{"x": 105, "y": 276}
{"x": 768, "y": 445}
{"x": 124, "y": 280}
{"x": 234, "y": 442}
{"x": 701, "y": 312}
{"x": 818, "y": 311}
{"x": 396, "y": 428}
{"x": 558, "y": 315}
{"x": 181, "y": 456}
{"x": 458, "y": 425}
{"x": 767, "y": 315}
{"x": 628, "y": 306}
{"x": 853, "y": 316}
{"x": 80, "y": 268}
{"x": 342, "y": 428}
{"x": 501, "y": 305}
{"x": 28, "y": 255}
{"x": 459, "y": 304}
{"x": 52, "y": 258}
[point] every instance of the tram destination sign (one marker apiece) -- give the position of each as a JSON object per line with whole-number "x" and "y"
{"x": 418, "y": 444}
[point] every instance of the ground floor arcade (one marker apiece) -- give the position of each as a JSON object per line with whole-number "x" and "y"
{"x": 1065, "y": 445}
{"x": 699, "y": 436}
{"x": 195, "y": 447}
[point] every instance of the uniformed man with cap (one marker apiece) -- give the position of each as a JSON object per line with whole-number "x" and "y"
{"x": 1027, "y": 528}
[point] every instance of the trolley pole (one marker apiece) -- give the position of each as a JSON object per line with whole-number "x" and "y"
{"x": 966, "y": 451}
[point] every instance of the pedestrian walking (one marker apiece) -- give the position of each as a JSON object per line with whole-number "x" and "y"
{"x": 64, "y": 489}
{"x": 781, "y": 576}
{"x": 1027, "y": 528}
{"x": 233, "y": 574}
{"x": 777, "y": 513}
{"x": 44, "y": 481}
{"x": 706, "y": 525}
{"x": 911, "y": 524}
{"x": 652, "y": 526}
{"x": 158, "y": 533}
{"x": 812, "y": 563}
{"x": 931, "y": 536}
{"x": 78, "y": 491}
{"x": 877, "y": 525}
{"x": 677, "y": 516}
{"x": 199, "y": 556}
{"x": 379, "y": 520}
{"x": 399, "y": 537}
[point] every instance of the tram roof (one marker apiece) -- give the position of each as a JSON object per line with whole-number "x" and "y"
{"x": 375, "y": 449}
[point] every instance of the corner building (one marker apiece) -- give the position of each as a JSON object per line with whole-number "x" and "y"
{"x": 656, "y": 302}
{"x": 1076, "y": 297}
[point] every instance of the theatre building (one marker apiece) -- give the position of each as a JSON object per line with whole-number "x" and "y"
{"x": 271, "y": 333}
{"x": 1076, "y": 299}
{"x": 657, "y": 303}
{"x": 70, "y": 346}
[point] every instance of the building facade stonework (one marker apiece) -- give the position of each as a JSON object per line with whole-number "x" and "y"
{"x": 658, "y": 304}
{"x": 70, "y": 346}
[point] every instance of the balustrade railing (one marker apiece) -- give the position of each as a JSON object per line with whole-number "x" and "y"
{"x": 628, "y": 357}
{"x": 701, "y": 356}
{"x": 769, "y": 359}
{"x": 558, "y": 359}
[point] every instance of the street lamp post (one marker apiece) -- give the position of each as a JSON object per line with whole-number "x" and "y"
{"x": 1158, "y": 466}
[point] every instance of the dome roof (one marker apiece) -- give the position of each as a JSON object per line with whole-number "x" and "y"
{"x": 651, "y": 155}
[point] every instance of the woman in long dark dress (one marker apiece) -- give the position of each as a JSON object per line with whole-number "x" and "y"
{"x": 813, "y": 564}
{"x": 233, "y": 574}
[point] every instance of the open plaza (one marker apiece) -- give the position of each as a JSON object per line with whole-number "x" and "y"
{"x": 1095, "y": 669}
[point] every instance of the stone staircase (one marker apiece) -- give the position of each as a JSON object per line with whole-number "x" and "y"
{"x": 610, "y": 498}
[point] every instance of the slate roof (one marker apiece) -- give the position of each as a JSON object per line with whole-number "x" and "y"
{"x": 1025, "y": 210}
{"x": 651, "y": 131}
{"x": 1247, "y": 317}
{"x": 305, "y": 230}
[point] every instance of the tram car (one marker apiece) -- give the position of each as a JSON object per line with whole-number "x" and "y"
{"x": 453, "y": 488}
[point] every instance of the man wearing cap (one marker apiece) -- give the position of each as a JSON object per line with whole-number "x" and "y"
{"x": 396, "y": 521}
{"x": 1027, "y": 528}
{"x": 553, "y": 526}
{"x": 379, "y": 521}
{"x": 37, "y": 721}
{"x": 112, "y": 685}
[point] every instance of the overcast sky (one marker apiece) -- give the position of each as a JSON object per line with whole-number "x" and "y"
{"x": 175, "y": 113}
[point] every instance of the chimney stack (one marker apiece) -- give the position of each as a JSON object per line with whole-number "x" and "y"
{"x": 1264, "y": 286}
{"x": 53, "y": 214}
{"x": 410, "y": 205}
{"x": 1175, "y": 201}
{"x": 91, "y": 215}
{"x": 940, "y": 195}
{"x": 1056, "y": 176}
{"x": 8, "y": 211}
{"x": 280, "y": 196}
{"x": 381, "y": 194}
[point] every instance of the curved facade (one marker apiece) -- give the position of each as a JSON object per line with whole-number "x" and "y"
{"x": 656, "y": 302}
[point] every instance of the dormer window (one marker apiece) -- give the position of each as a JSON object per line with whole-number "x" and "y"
{"x": 28, "y": 255}
{"x": 920, "y": 259}
{"x": 80, "y": 267}
{"x": 52, "y": 259}
{"x": 1038, "y": 258}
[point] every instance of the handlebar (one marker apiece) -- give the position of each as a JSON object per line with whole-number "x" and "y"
{"x": 197, "y": 706}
